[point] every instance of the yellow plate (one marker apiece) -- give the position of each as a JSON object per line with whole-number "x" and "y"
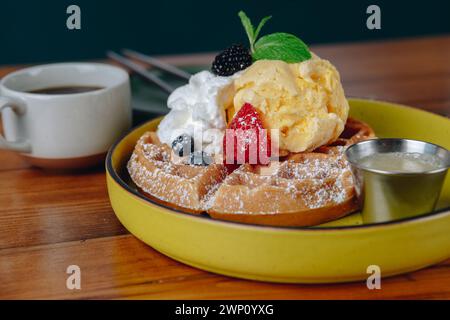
{"x": 337, "y": 252}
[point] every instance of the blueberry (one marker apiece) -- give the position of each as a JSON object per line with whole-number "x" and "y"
{"x": 200, "y": 158}
{"x": 183, "y": 145}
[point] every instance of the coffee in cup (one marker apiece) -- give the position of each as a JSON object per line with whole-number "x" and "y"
{"x": 64, "y": 115}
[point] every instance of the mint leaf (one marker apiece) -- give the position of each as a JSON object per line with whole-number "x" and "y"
{"x": 276, "y": 46}
{"x": 281, "y": 46}
{"x": 261, "y": 24}
{"x": 248, "y": 28}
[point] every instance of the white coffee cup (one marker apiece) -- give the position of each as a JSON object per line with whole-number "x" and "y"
{"x": 64, "y": 130}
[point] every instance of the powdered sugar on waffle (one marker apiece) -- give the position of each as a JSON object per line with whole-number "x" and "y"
{"x": 327, "y": 175}
{"x": 140, "y": 173}
{"x": 317, "y": 180}
{"x": 158, "y": 176}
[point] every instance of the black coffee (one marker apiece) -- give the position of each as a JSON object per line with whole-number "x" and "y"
{"x": 66, "y": 90}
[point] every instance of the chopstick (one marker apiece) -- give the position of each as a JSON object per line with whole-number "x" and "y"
{"x": 157, "y": 63}
{"x": 141, "y": 71}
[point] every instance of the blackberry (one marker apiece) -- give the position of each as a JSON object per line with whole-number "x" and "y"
{"x": 183, "y": 145}
{"x": 231, "y": 60}
{"x": 200, "y": 158}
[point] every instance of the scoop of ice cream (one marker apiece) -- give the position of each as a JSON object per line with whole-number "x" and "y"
{"x": 305, "y": 100}
{"x": 195, "y": 112}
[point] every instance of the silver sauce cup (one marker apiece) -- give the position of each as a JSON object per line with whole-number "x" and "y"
{"x": 393, "y": 195}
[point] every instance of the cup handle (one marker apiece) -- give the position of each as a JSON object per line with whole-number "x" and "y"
{"x": 19, "y": 109}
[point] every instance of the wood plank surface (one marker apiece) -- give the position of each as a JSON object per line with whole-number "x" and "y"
{"x": 50, "y": 220}
{"x": 128, "y": 268}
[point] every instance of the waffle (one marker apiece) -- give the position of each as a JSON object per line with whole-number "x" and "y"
{"x": 302, "y": 189}
{"x": 301, "y": 192}
{"x": 178, "y": 185}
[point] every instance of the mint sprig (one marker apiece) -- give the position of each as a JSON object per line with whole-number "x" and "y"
{"x": 252, "y": 34}
{"x": 276, "y": 46}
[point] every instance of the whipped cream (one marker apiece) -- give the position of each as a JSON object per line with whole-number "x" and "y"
{"x": 195, "y": 111}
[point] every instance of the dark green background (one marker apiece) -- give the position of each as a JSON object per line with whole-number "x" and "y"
{"x": 35, "y": 31}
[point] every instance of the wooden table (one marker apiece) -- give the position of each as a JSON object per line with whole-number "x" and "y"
{"x": 49, "y": 221}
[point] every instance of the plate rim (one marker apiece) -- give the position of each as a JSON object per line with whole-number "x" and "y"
{"x": 370, "y": 226}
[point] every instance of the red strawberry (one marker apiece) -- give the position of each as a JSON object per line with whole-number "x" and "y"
{"x": 247, "y": 139}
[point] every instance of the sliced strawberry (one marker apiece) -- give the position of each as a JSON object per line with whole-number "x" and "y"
{"x": 247, "y": 140}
